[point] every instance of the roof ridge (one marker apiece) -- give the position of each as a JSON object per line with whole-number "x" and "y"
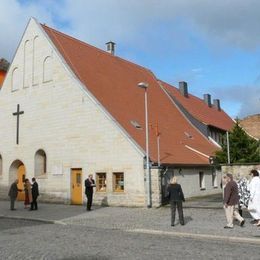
{"x": 93, "y": 47}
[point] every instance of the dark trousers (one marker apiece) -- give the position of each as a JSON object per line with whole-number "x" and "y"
{"x": 12, "y": 200}
{"x": 177, "y": 204}
{"x": 34, "y": 204}
{"x": 89, "y": 200}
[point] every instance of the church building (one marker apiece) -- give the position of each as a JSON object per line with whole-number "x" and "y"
{"x": 69, "y": 109}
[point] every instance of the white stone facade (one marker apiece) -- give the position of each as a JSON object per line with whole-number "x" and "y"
{"x": 62, "y": 119}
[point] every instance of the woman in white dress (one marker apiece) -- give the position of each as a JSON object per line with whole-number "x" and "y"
{"x": 254, "y": 201}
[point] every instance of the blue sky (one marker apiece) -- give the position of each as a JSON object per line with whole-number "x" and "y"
{"x": 213, "y": 45}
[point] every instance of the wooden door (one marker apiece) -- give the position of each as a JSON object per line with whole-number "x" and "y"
{"x": 21, "y": 178}
{"x": 76, "y": 186}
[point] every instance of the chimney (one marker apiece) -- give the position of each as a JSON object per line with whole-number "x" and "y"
{"x": 183, "y": 88}
{"x": 207, "y": 99}
{"x": 216, "y": 104}
{"x": 111, "y": 47}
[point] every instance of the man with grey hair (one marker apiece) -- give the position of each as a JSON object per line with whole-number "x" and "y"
{"x": 231, "y": 200}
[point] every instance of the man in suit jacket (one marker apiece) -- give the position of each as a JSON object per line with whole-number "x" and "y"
{"x": 35, "y": 194}
{"x": 13, "y": 192}
{"x": 176, "y": 197}
{"x": 89, "y": 184}
{"x": 231, "y": 200}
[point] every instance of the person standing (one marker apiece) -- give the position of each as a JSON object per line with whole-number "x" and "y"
{"x": 254, "y": 201}
{"x": 176, "y": 197}
{"x": 28, "y": 193}
{"x": 13, "y": 192}
{"x": 231, "y": 200}
{"x": 89, "y": 184}
{"x": 35, "y": 194}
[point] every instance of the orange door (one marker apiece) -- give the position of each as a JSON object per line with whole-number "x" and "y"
{"x": 76, "y": 186}
{"x": 21, "y": 177}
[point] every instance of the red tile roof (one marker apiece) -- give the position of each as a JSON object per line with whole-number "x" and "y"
{"x": 113, "y": 81}
{"x": 200, "y": 110}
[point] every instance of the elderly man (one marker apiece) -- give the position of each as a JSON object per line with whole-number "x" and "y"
{"x": 231, "y": 200}
{"x": 13, "y": 192}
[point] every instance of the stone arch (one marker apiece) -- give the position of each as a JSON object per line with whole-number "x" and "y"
{"x": 15, "y": 79}
{"x": 13, "y": 170}
{"x": 47, "y": 69}
{"x": 40, "y": 163}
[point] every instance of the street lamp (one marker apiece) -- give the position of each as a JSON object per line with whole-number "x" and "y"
{"x": 144, "y": 86}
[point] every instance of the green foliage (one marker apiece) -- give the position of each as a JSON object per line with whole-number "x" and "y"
{"x": 243, "y": 148}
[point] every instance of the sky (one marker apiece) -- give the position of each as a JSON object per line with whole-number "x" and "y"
{"x": 212, "y": 45}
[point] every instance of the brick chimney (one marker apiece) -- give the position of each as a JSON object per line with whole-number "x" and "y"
{"x": 183, "y": 88}
{"x": 111, "y": 47}
{"x": 216, "y": 104}
{"x": 207, "y": 99}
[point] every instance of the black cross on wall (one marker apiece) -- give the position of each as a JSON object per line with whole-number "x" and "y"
{"x": 17, "y": 113}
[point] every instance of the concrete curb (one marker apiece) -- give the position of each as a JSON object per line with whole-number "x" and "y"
{"x": 197, "y": 236}
{"x": 46, "y": 221}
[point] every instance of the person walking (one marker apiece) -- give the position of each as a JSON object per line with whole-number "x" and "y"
{"x": 13, "y": 192}
{"x": 35, "y": 194}
{"x": 244, "y": 194}
{"x": 231, "y": 200}
{"x": 254, "y": 201}
{"x": 89, "y": 184}
{"x": 28, "y": 193}
{"x": 176, "y": 197}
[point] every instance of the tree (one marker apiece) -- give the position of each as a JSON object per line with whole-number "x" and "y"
{"x": 242, "y": 147}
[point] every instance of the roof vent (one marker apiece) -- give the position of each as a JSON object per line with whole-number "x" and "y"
{"x": 207, "y": 99}
{"x": 216, "y": 104}
{"x": 111, "y": 47}
{"x": 135, "y": 124}
{"x": 188, "y": 135}
{"x": 183, "y": 88}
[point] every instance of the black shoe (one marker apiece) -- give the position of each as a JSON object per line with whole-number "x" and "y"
{"x": 182, "y": 224}
{"x": 172, "y": 225}
{"x": 12, "y": 209}
{"x": 242, "y": 223}
{"x": 88, "y": 209}
{"x": 228, "y": 227}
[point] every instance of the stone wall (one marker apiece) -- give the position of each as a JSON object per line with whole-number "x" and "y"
{"x": 239, "y": 170}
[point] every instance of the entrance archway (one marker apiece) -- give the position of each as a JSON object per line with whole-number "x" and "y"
{"x": 17, "y": 171}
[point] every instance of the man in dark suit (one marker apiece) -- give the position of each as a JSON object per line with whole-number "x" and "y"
{"x": 89, "y": 184}
{"x": 35, "y": 194}
{"x": 13, "y": 192}
{"x": 176, "y": 197}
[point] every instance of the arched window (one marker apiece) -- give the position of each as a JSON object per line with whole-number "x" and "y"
{"x": 27, "y": 65}
{"x": 47, "y": 69}
{"x": 35, "y": 66}
{"x": 1, "y": 165}
{"x": 40, "y": 163}
{"x": 15, "y": 79}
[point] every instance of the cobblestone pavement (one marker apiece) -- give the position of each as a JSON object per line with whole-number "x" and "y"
{"x": 199, "y": 221}
{"x": 24, "y": 240}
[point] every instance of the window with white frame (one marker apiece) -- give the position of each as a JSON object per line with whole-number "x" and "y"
{"x": 202, "y": 180}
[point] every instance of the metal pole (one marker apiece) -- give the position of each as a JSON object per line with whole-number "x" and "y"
{"x": 228, "y": 151}
{"x": 148, "y": 177}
